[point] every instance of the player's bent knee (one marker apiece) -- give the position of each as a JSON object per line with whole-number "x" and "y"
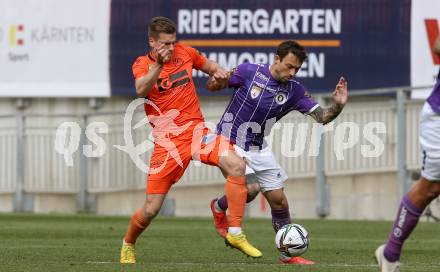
{"x": 436, "y": 188}
{"x": 280, "y": 203}
{"x": 431, "y": 191}
{"x": 151, "y": 213}
{"x": 431, "y": 194}
{"x": 251, "y": 196}
{"x": 235, "y": 166}
{"x": 253, "y": 190}
{"x": 240, "y": 167}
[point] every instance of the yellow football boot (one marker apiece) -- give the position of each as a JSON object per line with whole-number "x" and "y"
{"x": 128, "y": 255}
{"x": 239, "y": 242}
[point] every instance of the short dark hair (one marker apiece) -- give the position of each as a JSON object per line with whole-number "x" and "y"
{"x": 159, "y": 25}
{"x": 293, "y": 47}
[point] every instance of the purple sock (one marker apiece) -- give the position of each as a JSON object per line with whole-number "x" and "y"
{"x": 280, "y": 218}
{"x": 223, "y": 203}
{"x": 407, "y": 219}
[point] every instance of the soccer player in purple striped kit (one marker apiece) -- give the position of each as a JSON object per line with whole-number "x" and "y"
{"x": 427, "y": 187}
{"x": 263, "y": 94}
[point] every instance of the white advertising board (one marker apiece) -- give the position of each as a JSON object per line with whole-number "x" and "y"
{"x": 425, "y": 20}
{"x": 54, "y": 48}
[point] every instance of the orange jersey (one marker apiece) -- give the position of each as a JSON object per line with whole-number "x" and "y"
{"x": 174, "y": 89}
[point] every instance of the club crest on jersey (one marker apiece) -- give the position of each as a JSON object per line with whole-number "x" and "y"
{"x": 255, "y": 91}
{"x": 281, "y": 98}
{"x": 177, "y": 61}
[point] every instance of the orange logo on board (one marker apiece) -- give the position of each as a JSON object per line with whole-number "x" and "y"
{"x": 15, "y": 32}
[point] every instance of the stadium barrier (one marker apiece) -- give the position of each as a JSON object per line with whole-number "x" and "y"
{"x": 8, "y": 154}
{"x": 30, "y": 164}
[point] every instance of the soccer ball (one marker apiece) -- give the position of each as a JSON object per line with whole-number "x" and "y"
{"x": 292, "y": 240}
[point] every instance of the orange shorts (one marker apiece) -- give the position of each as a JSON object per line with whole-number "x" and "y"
{"x": 171, "y": 157}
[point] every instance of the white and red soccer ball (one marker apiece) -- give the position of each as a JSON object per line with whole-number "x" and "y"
{"x": 292, "y": 240}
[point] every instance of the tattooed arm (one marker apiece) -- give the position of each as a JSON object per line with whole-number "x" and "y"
{"x": 325, "y": 116}
{"x": 339, "y": 96}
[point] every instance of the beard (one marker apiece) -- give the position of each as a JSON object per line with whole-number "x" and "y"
{"x": 284, "y": 79}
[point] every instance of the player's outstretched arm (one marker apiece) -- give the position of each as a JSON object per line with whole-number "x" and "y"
{"x": 219, "y": 77}
{"x": 437, "y": 46}
{"x": 339, "y": 96}
{"x": 218, "y": 81}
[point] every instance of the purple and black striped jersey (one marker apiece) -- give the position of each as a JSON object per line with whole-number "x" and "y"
{"x": 258, "y": 102}
{"x": 434, "y": 98}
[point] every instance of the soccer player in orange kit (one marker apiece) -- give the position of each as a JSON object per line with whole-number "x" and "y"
{"x": 164, "y": 78}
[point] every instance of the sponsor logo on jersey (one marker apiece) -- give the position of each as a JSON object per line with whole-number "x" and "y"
{"x": 261, "y": 85}
{"x": 173, "y": 81}
{"x": 262, "y": 76}
{"x": 272, "y": 90}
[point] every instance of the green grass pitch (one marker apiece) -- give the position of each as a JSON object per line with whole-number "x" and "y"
{"x": 91, "y": 243}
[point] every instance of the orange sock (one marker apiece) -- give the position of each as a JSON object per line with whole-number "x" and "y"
{"x": 137, "y": 225}
{"x": 236, "y": 193}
